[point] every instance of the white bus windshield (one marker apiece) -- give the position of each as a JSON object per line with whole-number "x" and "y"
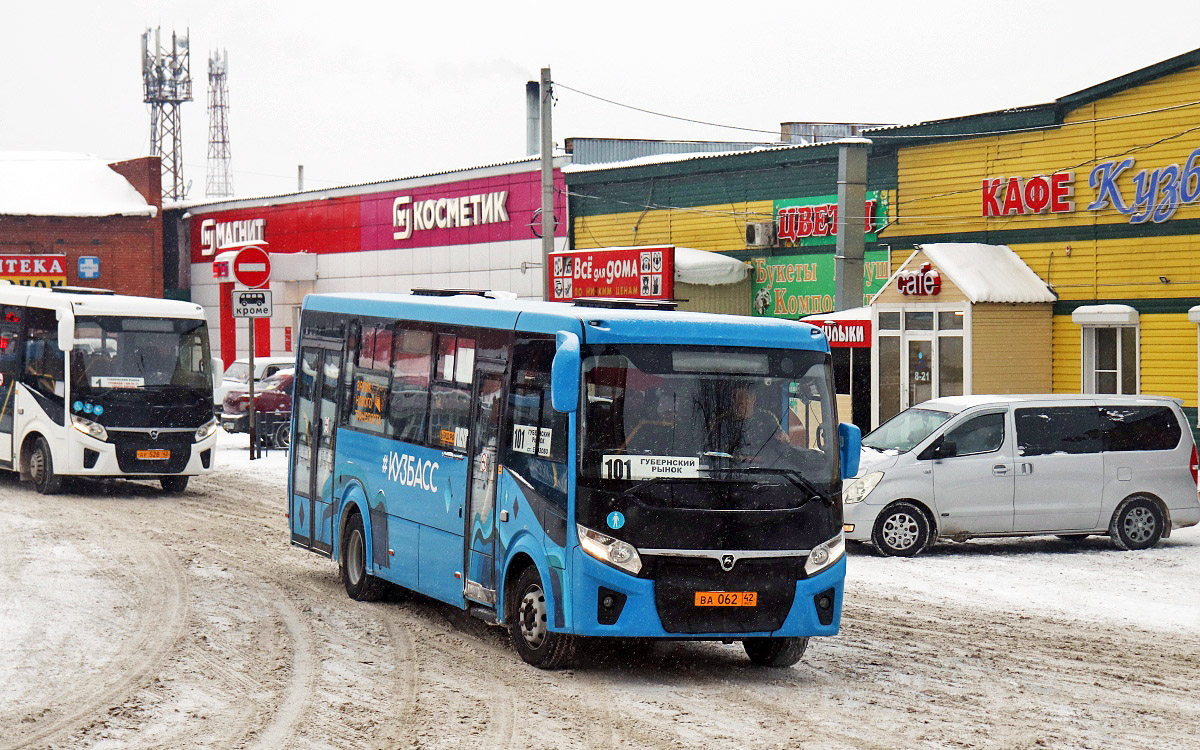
{"x": 118, "y": 352}
{"x": 663, "y": 412}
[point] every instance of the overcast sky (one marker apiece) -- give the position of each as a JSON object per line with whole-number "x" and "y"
{"x": 359, "y": 92}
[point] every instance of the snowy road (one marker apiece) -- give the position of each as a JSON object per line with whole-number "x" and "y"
{"x": 130, "y": 618}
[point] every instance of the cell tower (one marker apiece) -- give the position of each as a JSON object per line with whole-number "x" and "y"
{"x": 220, "y": 180}
{"x": 167, "y": 82}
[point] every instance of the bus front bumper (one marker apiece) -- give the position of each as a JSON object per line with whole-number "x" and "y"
{"x": 609, "y": 602}
{"x": 91, "y": 457}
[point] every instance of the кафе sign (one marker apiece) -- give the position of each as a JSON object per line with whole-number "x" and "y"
{"x": 1150, "y": 194}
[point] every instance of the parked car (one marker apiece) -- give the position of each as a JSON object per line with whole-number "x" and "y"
{"x": 237, "y": 375}
{"x": 1073, "y": 466}
{"x": 273, "y": 404}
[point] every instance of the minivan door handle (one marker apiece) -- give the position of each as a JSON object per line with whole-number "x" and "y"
{"x": 1000, "y": 470}
{"x": 1024, "y": 469}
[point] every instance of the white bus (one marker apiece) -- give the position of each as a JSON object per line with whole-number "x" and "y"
{"x": 96, "y": 384}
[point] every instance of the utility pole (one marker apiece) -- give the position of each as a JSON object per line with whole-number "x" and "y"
{"x": 220, "y": 182}
{"x": 547, "y": 182}
{"x": 166, "y": 84}
{"x": 851, "y": 235}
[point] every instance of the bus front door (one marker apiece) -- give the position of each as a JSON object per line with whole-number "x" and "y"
{"x": 315, "y": 423}
{"x": 487, "y": 406}
{"x": 10, "y": 338}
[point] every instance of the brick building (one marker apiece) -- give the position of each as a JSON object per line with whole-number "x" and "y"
{"x": 74, "y": 219}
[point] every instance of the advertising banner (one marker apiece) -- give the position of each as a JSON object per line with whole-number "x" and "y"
{"x": 466, "y": 212}
{"x": 34, "y": 270}
{"x": 792, "y": 286}
{"x": 802, "y": 222}
{"x": 631, "y": 272}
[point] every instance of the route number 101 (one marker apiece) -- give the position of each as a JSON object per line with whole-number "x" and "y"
{"x": 618, "y": 468}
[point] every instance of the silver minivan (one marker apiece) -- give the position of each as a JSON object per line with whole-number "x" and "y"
{"x": 1073, "y": 466}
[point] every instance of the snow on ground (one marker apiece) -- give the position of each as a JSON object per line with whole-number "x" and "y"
{"x": 131, "y": 618}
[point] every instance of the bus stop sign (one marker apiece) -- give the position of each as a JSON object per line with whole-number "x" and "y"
{"x": 252, "y": 267}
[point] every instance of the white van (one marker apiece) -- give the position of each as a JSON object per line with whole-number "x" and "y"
{"x": 973, "y": 466}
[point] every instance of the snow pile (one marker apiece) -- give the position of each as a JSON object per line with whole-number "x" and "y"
{"x": 36, "y": 183}
{"x": 988, "y": 273}
{"x": 710, "y": 269}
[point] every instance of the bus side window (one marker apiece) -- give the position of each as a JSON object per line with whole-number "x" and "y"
{"x": 450, "y": 406}
{"x": 537, "y": 444}
{"x": 412, "y": 363}
{"x": 349, "y": 365}
{"x": 369, "y": 384}
{"x": 44, "y": 361}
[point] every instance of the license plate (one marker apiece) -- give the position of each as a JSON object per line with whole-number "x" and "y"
{"x": 726, "y": 598}
{"x": 153, "y": 455}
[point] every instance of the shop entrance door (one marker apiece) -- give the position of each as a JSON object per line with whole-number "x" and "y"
{"x": 918, "y": 371}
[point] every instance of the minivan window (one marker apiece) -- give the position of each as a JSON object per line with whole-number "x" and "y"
{"x": 1141, "y": 428}
{"x": 982, "y": 434}
{"x": 1058, "y": 429}
{"x": 902, "y": 432}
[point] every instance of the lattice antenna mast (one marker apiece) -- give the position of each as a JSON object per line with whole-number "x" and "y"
{"x": 220, "y": 179}
{"x": 167, "y": 83}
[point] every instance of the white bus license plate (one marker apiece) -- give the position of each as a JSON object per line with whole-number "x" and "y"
{"x": 153, "y": 455}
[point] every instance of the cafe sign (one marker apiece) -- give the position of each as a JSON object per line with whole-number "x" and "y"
{"x": 1146, "y": 195}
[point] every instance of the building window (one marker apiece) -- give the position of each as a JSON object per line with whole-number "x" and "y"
{"x": 1110, "y": 359}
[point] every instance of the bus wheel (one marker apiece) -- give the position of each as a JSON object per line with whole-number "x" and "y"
{"x": 360, "y": 585}
{"x": 173, "y": 484}
{"x": 1138, "y": 524}
{"x": 531, "y": 636}
{"x": 41, "y": 469}
{"x": 901, "y": 530}
{"x": 775, "y": 652}
{"x": 282, "y": 436}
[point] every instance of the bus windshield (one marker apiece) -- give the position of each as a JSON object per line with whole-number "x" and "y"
{"x": 120, "y": 352}
{"x": 668, "y": 412}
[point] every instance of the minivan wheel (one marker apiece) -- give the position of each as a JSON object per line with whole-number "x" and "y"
{"x": 1137, "y": 524}
{"x": 902, "y": 530}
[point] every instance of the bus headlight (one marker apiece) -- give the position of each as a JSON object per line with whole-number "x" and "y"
{"x": 857, "y": 491}
{"x": 606, "y": 549}
{"x": 825, "y": 554}
{"x": 89, "y": 428}
{"x": 207, "y": 429}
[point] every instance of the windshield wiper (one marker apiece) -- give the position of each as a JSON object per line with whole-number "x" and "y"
{"x": 791, "y": 475}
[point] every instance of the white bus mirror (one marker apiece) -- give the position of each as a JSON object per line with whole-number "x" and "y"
{"x": 66, "y": 331}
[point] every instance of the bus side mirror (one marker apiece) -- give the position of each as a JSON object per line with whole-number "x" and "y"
{"x": 66, "y": 331}
{"x": 850, "y": 447}
{"x": 564, "y": 373}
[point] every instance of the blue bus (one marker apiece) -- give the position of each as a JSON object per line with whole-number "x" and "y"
{"x": 603, "y": 468}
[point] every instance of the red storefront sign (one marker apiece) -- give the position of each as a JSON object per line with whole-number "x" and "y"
{"x": 850, "y": 334}
{"x": 925, "y": 282}
{"x": 631, "y": 272}
{"x": 467, "y": 212}
{"x": 34, "y": 270}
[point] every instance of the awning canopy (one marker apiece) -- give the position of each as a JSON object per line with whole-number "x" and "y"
{"x": 1194, "y": 314}
{"x": 694, "y": 266}
{"x": 1105, "y": 315}
{"x": 988, "y": 273}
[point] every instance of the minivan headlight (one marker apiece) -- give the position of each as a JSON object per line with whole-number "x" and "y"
{"x": 207, "y": 429}
{"x": 606, "y": 549}
{"x": 825, "y": 554}
{"x": 857, "y": 491}
{"x": 88, "y": 427}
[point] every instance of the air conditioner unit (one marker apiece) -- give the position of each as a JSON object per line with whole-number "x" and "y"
{"x": 760, "y": 233}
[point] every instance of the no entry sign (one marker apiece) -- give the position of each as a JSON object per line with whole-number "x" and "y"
{"x": 252, "y": 267}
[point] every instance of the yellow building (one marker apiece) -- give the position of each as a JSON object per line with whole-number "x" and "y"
{"x": 1099, "y": 194}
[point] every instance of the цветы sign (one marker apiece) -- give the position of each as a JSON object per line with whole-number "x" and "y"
{"x": 791, "y": 286}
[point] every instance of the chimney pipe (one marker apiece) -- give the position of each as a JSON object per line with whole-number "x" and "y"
{"x": 533, "y": 127}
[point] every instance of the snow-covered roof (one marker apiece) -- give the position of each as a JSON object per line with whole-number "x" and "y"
{"x": 988, "y": 273}
{"x": 854, "y": 313}
{"x": 710, "y": 269}
{"x": 50, "y": 183}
